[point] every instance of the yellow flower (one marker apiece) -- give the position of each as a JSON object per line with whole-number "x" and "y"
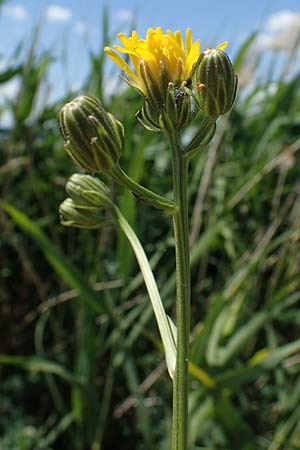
{"x": 166, "y": 57}
{"x": 162, "y": 68}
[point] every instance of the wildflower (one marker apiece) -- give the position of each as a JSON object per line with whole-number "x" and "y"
{"x": 160, "y": 58}
{"x": 162, "y": 67}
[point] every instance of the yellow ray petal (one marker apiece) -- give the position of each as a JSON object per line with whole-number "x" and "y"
{"x": 179, "y": 39}
{"x": 128, "y": 51}
{"x": 175, "y": 42}
{"x": 158, "y": 31}
{"x": 222, "y": 46}
{"x": 193, "y": 56}
{"x": 121, "y": 63}
{"x": 135, "y": 35}
{"x": 128, "y": 42}
{"x": 188, "y": 40}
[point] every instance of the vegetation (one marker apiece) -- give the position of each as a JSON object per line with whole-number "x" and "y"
{"x": 81, "y": 363}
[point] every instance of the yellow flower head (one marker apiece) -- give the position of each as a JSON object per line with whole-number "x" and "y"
{"x": 162, "y": 69}
{"x": 164, "y": 57}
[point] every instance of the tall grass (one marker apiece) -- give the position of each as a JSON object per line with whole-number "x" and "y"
{"x": 81, "y": 363}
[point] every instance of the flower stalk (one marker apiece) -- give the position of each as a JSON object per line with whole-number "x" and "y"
{"x": 144, "y": 194}
{"x": 183, "y": 293}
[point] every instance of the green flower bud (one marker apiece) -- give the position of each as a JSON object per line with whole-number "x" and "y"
{"x": 93, "y": 137}
{"x": 86, "y": 190}
{"x": 214, "y": 83}
{"x": 89, "y": 206}
{"x": 164, "y": 100}
{"x": 177, "y": 109}
{"x": 179, "y": 106}
{"x": 74, "y": 215}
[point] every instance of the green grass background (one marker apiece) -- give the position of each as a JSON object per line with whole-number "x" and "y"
{"x": 81, "y": 364}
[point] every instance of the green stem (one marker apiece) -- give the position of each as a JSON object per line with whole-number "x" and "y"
{"x": 180, "y": 221}
{"x": 141, "y": 192}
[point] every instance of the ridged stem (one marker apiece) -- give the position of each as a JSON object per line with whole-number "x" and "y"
{"x": 180, "y": 222}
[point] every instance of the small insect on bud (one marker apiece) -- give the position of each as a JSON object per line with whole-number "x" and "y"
{"x": 179, "y": 105}
{"x": 93, "y": 137}
{"x": 177, "y": 111}
{"x": 214, "y": 83}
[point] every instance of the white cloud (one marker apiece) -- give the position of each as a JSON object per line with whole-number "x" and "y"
{"x": 281, "y": 31}
{"x": 8, "y": 92}
{"x": 282, "y": 21}
{"x": 56, "y": 13}
{"x": 124, "y": 15}
{"x": 75, "y": 86}
{"x": 6, "y": 119}
{"x": 3, "y": 64}
{"x": 17, "y": 12}
{"x": 80, "y": 27}
{"x": 9, "y": 89}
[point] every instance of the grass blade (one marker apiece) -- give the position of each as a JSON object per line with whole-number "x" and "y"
{"x": 64, "y": 269}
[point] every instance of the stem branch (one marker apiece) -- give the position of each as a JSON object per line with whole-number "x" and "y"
{"x": 141, "y": 192}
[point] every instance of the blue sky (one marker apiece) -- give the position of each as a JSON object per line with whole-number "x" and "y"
{"x": 208, "y": 19}
{"x": 75, "y": 25}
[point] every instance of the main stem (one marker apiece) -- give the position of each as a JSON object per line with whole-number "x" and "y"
{"x": 181, "y": 232}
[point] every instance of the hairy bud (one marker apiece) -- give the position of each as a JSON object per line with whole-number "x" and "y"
{"x": 89, "y": 206}
{"x": 72, "y": 215}
{"x": 93, "y": 137}
{"x": 88, "y": 191}
{"x": 214, "y": 83}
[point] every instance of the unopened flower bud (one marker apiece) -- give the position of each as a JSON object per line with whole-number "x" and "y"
{"x": 73, "y": 215}
{"x": 214, "y": 83}
{"x": 179, "y": 106}
{"x": 177, "y": 110}
{"x": 93, "y": 137}
{"x": 89, "y": 206}
{"x": 86, "y": 190}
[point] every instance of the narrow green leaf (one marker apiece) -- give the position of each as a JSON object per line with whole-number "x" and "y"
{"x": 239, "y": 59}
{"x": 11, "y": 72}
{"x": 35, "y": 364}
{"x": 166, "y": 327}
